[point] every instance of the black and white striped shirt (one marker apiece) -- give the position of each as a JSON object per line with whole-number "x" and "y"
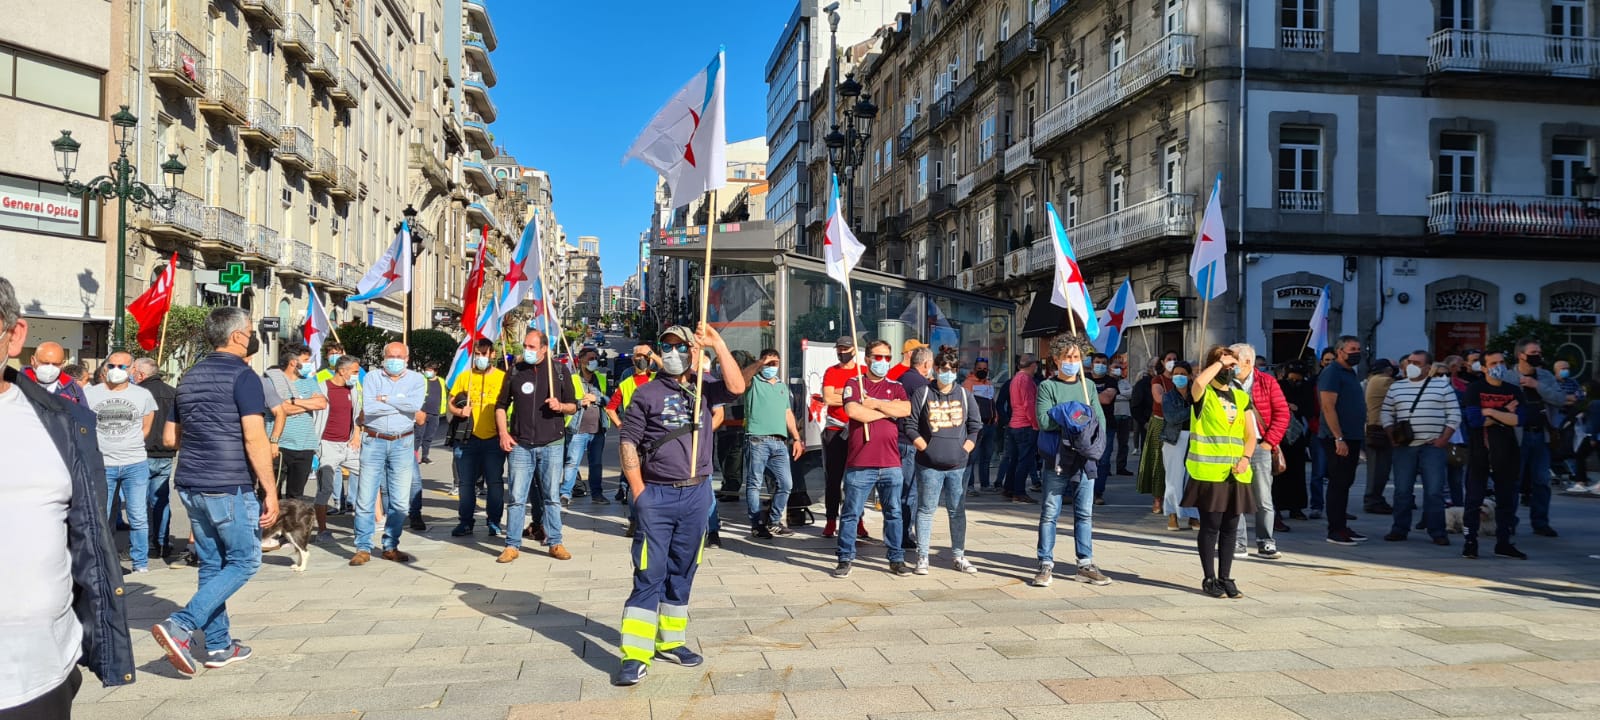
{"x": 1436, "y": 412}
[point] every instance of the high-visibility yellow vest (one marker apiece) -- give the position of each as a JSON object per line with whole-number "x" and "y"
{"x": 1215, "y": 445}
{"x": 577, "y": 391}
{"x": 627, "y": 387}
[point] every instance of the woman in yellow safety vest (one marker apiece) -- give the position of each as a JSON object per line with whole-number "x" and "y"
{"x": 1222, "y": 439}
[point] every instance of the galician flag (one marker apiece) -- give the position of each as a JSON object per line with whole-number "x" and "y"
{"x": 1118, "y": 319}
{"x": 686, "y": 142}
{"x": 488, "y": 326}
{"x": 317, "y": 327}
{"x": 1208, "y": 264}
{"x": 391, "y": 274}
{"x": 525, "y": 275}
{"x": 1070, "y": 291}
{"x": 1317, "y": 341}
{"x": 840, "y": 247}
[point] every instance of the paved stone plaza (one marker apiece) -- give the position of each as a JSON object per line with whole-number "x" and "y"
{"x": 1384, "y": 630}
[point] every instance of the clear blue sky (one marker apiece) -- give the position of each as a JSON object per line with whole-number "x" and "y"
{"x": 578, "y": 80}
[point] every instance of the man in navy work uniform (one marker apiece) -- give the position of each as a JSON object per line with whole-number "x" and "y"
{"x": 673, "y": 501}
{"x": 222, "y": 435}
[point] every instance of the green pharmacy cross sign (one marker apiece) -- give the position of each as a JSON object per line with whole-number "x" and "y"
{"x": 235, "y": 277}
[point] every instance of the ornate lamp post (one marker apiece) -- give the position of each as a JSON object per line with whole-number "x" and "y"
{"x": 121, "y": 183}
{"x": 847, "y": 145}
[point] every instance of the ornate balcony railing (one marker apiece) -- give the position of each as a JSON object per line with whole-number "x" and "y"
{"x": 1300, "y": 201}
{"x": 965, "y": 184}
{"x": 296, "y": 258}
{"x": 269, "y": 13}
{"x": 296, "y": 148}
{"x": 1015, "y": 263}
{"x": 223, "y": 227}
{"x": 1019, "y": 154}
{"x": 224, "y": 97}
{"x": 177, "y": 65}
{"x": 1495, "y": 52}
{"x": 1300, "y": 38}
{"x": 1041, "y": 256}
{"x": 1171, "y": 55}
{"x": 261, "y": 123}
{"x": 1513, "y": 215}
{"x": 1163, "y": 216}
{"x": 263, "y": 242}
{"x": 984, "y": 275}
{"x": 327, "y": 268}
{"x": 297, "y": 38}
{"x": 185, "y": 217}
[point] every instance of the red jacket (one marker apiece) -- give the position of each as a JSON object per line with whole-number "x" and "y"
{"x": 1268, "y": 399}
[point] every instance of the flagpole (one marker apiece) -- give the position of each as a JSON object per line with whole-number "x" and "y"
{"x": 705, "y": 304}
{"x": 850, "y": 307}
{"x": 1072, "y": 329}
{"x": 162, "y": 345}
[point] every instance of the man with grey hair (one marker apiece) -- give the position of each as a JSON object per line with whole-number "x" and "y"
{"x": 915, "y": 379}
{"x": 1272, "y": 421}
{"x": 66, "y": 604}
{"x": 217, "y": 422}
{"x": 159, "y": 456}
{"x": 389, "y": 403}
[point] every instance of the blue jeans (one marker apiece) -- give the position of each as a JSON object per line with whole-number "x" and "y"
{"x": 475, "y": 458}
{"x": 132, "y": 483}
{"x": 1317, "y": 483}
{"x": 763, "y": 453}
{"x": 908, "y": 489}
{"x": 594, "y": 444}
{"x": 1406, "y": 464}
{"x": 931, "y": 485}
{"x": 1535, "y": 476}
{"x": 858, "y": 483}
{"x": 982, "y": 455}
{"x": 391, "y": 465}
{"x": 227, "y": 540}
{"x": 547, "y": 463}
{"x": 1055, "y": 487}
{"x": 160, "y": 500}
{"x": 1022, "y": 452}
{"x": 1103, "y": 468}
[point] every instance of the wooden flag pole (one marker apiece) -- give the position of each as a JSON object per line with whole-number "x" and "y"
{"x": 1083, "y": 376}
{"x": 705, "y": 304}
{"x": 162, "y": 345}
{"x": 850, "y": 307}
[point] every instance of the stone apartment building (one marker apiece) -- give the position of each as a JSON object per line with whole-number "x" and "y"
{"x": 1399, "y": 153}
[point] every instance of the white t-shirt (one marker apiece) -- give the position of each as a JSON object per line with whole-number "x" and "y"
{"x": 119, "y": 421}
{"x": 42, "y": 635}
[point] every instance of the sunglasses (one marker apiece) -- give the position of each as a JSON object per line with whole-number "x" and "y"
{"x": 680, "y": 347}
{"x": 882, "y": 357}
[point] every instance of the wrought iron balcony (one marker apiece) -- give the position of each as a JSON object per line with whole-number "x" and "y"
{"x": 177, "y": 66}
{"x": 349, "y": 276}
{"x": 1510, "y": 215}
{"x": 268, "y": 14}
{"x": 296, "y": 149}
{"x": 942, "y": 200}
{"x": 327, "y": 269}
{"x": 1171, "y": 55}
{"x": 296, "y": 260}
{"x": 261, "y": 125}
{"x": 346, "y": 92}
{"x": 183, "y": 221}
{"x": 221, "y": 229}
{"x": 1017, "y": 46}
{"x": 225, "y": 99}
{"x": 1164, "y": 216}
{"x": 262, "y": 245}
{"x": 348, "y": 185}
{"x": 324, "y": 65}
{"x": 324, "y": 170}
{"x": 1511, "y": 53}
{"x": 297, "y": 38}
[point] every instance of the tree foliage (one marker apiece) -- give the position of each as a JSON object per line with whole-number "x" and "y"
{"x": 365, "y": 342}
{"x": 432, "y": 346}
{"x": 1549, "y": 336}
{"x": 185, "y": 341}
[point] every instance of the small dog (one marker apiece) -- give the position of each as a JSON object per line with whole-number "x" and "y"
{"x": 296, "y": 525}
{"x": 1455, "y": 522}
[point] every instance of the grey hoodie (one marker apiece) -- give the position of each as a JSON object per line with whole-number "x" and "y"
{"x": 946, "y": 420}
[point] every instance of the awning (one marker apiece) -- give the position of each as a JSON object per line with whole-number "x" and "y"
{"x": 1044, "y": 318}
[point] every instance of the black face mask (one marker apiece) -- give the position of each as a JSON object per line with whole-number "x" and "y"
{"x": 1535, "y": 361}
{"x": 981, "y": 374}
{"x": 253, "y": 346}
{"x": 846, "y": 358}
{"x": 641, "y": 363}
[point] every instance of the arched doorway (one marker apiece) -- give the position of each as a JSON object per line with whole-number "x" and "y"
{"x": 1288, "y": 302}
{"x": 1573, "y": 306}
{"x": 1462, "y": 312}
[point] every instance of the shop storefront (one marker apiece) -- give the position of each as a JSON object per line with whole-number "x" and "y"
{"x": 1288, "y": 302}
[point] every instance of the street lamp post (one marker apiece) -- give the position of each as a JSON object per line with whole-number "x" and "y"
{"x": 847, "y": 146}
{"x": 122, "y": 184}
{"x": 418, "y": 245}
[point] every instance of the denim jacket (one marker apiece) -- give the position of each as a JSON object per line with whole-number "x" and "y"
{"x": 98, "y": 595}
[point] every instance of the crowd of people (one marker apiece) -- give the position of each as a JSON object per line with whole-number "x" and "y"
{"x": 1221, "y": 442}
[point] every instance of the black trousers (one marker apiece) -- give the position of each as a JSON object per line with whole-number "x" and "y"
{"x": 1341, "y": 477}
{"x": 1492, "y": 451}
{"x": 1380, "y": 468}
{"x": 53, "y": 705}
{"x": 294, "y": 468}
{"x": 1217, "y": 539}
{"x": 835, "y": 448}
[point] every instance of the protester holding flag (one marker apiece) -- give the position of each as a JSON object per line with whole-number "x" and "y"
{"x": 479, "y": 457}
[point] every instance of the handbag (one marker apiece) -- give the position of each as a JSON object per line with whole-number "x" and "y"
{"x": 1296, "y": 430}
{"x": 1400, "y": 432}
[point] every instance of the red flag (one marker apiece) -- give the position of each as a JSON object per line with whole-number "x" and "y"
{"x": 151, "y": 307}
{"x": 469, "y": 311}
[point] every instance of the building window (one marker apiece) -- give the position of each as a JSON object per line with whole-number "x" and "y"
{"x": 1458, "y": 15}
{"x": 1071, "y": 220}
{"x": 1566, "y": 18}
{"x": 1300, "y": 169}
{"x": 1569, "y": 157}
{"x": 49, "y": 82}
{"x": 1029, "y": 206}
{"x": 1118, "y": 197}
{"x": 1074, "y": 80}
{"x": 1032, "y": 106}
{"x": 1174, "y": 17}
{"x": 979, "y": 50}
{"x": 953, "y": 163}
{"x": 1172, "y": 169}
{"x": 1458, "y": 163}
{"x": 47, "y": 207}
{"x": 986, "y": 234}
{"x": 1119, "y": 50}
{"x": 920, "y": 260}
{"x": 951, "y": 240}
{"x": 1300, "y": 24}
{"x": 888, "y": 153}
{"x": 986, "y": 130}
{"x": 922, "y": 177}
{"x": 1005, "y": 24}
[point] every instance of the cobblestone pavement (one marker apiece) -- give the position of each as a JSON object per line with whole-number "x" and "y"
{"x": 1384, "y": 630}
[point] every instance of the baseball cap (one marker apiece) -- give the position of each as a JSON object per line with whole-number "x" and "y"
{"x": 845, "y": 341}
{"x": 1381, "y": 365}
{"x": 683, "y": 333}
{"x": 911, "y": 344}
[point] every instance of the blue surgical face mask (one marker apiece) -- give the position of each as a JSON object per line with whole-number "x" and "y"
{"x": 947, "y": 377}
{"x": 592, "y": 365}
{"x": 1503, "y": 373}
{"x": 1099, "y": 368}
{"x": 305, "y": 370}
{"x": 394, "y": 366}
{"x": 530, "y": 357}
{"x": 1564, "y": 373}
{"x": 480, "y": 362}
{"x": 1180, "y": 381}
{"x": 769, "y": 372}
{"x": 880, "y": 368}
{"x": 1072, "y": 369}
{"x": 333, "y": 358}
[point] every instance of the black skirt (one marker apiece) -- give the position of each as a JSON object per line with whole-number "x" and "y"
{"x": 1229, "y": 496}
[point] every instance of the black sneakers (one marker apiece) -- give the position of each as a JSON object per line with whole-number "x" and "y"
{"x": 1508, "y": 550}
{"x": 761, "y": 532}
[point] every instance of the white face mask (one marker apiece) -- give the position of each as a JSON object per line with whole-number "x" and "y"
{"x": 47, "y": 374}
{"x": 116, "y": 376}
{"x": 1171, "y": 364}
{"x": 1413, "y": 372}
